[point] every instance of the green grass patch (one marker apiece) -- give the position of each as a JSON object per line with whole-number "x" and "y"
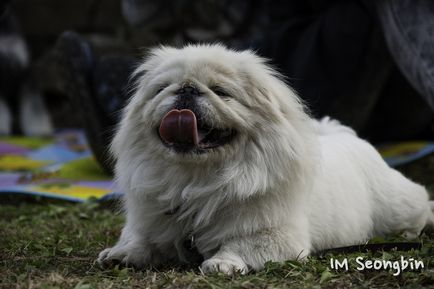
{"x": 55, "y": 246}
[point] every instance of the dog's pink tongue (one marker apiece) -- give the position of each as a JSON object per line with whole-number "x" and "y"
{"x": 179, "y": 127}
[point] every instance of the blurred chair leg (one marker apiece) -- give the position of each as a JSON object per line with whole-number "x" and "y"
{"x": 5, "y": 118}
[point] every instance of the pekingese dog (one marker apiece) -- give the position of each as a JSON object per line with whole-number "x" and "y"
{"x": 214, "y": 150}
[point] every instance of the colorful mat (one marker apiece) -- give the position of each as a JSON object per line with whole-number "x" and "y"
{"x": 59, "y": 167}
{"x": 63, "y": 167}
{"x": 396, "y": 154}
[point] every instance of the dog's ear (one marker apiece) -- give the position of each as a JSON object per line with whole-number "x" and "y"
{"x": 153, "y": 57}
{"x": 270, "y": 87}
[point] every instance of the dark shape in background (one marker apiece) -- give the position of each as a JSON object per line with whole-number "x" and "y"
{"x": 345, "y": 58}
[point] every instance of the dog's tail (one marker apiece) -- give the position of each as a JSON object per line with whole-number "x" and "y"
{"x": 327, "y": 126}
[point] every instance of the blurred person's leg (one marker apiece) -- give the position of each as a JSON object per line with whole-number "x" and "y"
{"x": 408, "y": 27}
{"x": 95, "y": 87}
{"x": 14, "y": 62}
{"x": 333, "y": 54}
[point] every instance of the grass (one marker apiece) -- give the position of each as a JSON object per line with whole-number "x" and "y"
{"x": 54, "y": 245}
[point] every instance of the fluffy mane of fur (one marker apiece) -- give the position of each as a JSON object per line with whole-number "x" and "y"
{"x": 278, "y": 188}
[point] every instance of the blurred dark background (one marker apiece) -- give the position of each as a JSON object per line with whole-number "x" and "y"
{"x": 367, "y": 63}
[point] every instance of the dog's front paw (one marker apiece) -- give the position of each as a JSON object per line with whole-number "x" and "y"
{"x": 225, "y": 265}
{"x": 124, "y": 255}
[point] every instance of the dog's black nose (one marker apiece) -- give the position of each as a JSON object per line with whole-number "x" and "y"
{"x": 187, "y": 97}
{"x": 188, "y": 89}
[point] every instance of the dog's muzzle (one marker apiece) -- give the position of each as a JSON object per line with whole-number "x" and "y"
{"x": 184, "y": 128}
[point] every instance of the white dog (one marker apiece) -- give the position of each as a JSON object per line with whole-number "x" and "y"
{"x": 214, "y": 146}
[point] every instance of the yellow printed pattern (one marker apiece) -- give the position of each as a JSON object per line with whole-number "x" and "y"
{"x": 76, "y": 191}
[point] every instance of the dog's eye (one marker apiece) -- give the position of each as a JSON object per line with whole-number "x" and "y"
{"x": 220, "y": 91}
{"x": 161, "y": 88}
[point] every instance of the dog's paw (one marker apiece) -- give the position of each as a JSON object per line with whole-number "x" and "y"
{"x": 410, "y": 234}
{"x": 124, "y": 255}
{"x": 228, "y": 266}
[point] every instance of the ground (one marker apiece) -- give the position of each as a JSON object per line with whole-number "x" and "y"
{"x": 54, "y": 245}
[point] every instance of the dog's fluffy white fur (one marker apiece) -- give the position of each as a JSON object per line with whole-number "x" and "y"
{"x": 284, "y": 187}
